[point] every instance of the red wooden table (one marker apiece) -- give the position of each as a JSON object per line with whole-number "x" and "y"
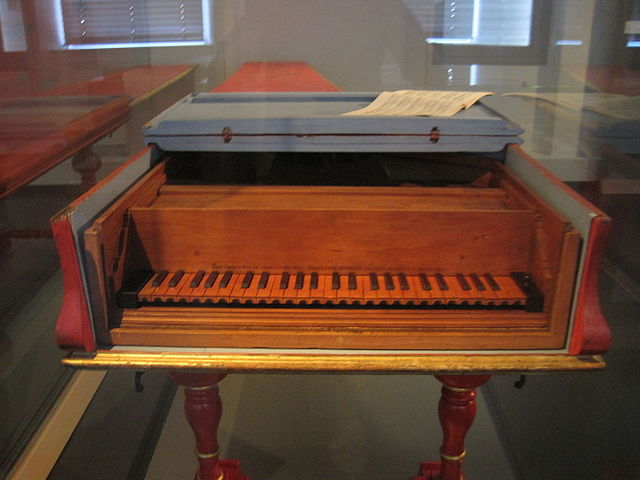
{"x": 276, "y": 77}
{"x": 149, "y": 90}
{"x": 608, "y": 78}
{"x": 38, "y": 133}
{"x": 136, "y": 84}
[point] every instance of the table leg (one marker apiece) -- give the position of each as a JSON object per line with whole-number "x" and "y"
{"x": 87, "y": 164}
{"x": 457, "y": 410}
{"x": 203, "y": 409}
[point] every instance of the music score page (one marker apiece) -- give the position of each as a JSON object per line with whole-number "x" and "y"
{"x": 440, "y": 103}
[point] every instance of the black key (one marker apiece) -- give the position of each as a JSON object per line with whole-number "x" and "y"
{"x": 351, "y": 282}
{"x": 264, "y": 278}
{"x": 335, "y": 281}
{"x": 313, "y": 281}
{"x": 535, "y": 300}
{"x": 402, "y": 278}
{"x": 477, "y": 282}
{"x": 211, "y": 279}
{"x": 388, "y": 282}
{"x": 463, "y": 282}
{"x": 492, "y": 282}
{"x": 284, "y": 280}
{"x": 424, "y": 281}
{"x": 246, "y": 281}
{"x": 374, "y": 281}
{"x": 299, "y": 281}
{"x": 162, "y": 274}
{"x": 127, "y": 297}
{"x": 176, "y": 278}
{"x": 442, "y": 285}
{"x": 226, "y": 278}
{"x": 195, "y": 281}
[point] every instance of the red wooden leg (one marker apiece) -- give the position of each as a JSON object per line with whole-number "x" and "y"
{"x": 203, "y": 410}
{"x": 87, "y": 164}
{"x": 457, "y": 410}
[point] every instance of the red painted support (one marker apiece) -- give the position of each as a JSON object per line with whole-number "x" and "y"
{"x": 590, "y": 334}
{"x": 203, "y": 409}
{"x": 457, "y": 410}
{"x": 73, "y": 327}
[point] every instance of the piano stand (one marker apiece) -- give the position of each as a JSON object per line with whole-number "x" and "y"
{"x": 203, "y": 409}
{"x": 460, "y": 375}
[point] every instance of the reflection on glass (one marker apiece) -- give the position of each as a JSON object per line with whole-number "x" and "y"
{"x": 480, "y": 22}
{"x": 57, "y": 65}
{"x": 12, "y": 28}
{"x": 92, "y": 24}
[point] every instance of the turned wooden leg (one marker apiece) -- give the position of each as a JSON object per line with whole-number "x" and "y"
{"x": 457, "y": 410}
{"x": 203, "y": 410}
{"x": 87, "y": 164}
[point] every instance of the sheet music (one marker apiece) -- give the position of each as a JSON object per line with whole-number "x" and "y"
{"x": 441, "y": 103}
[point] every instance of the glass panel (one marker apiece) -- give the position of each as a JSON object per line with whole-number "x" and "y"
{"x": 566, "y": 71}
{"x": 488, "y": 22}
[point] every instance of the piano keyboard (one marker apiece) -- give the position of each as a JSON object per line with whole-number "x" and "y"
{"x": 336, "y": 289}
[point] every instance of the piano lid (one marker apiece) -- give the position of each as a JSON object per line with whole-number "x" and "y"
{"x": 314, "y": 122}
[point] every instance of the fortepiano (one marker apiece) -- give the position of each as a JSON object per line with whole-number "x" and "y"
{"x": 270, "y": 220}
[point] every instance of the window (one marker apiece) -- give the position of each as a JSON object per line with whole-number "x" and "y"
{"x": 493, "y": 22}
{"x": 12, "y": 37}
{"x": 503, "y": 32}
{"x": 131, "y": 23}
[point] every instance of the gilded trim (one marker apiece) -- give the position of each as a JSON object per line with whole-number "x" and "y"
{"x": 459, "y": 389}
{"x": 220, "y": 477}
{"x": 453, "y": 458}
{"x": 207, "y": 455}
{"x": 305, "y": 361}
{"x": 197, "y": 389}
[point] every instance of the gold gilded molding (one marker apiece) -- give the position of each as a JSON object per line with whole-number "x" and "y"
{"x": 220, "y": 477}
{"x": 199, "y": 389}
{"x": 337, "y": 363}
{"x": 459, "y": 389}
{"x": 454, "y": 458}
{"x": 207, "y": 455}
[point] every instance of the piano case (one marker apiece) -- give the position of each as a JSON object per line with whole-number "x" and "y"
{"x": 271, "y": 220}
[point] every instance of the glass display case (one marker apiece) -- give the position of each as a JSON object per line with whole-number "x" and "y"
{"x": 79, "y": 79}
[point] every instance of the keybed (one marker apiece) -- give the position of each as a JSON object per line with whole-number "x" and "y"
{"x": 312, "y": 288}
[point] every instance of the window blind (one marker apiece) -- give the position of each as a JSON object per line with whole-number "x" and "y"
{"x": 87, "y": 22}
{"x": 474, "y": 22}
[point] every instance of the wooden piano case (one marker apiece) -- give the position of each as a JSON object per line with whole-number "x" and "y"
{"x": 497, "y": 229}
{"x": 501, "y": 257}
